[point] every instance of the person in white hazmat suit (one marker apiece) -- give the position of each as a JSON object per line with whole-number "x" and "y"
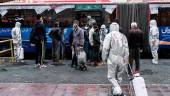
{"x": 116, "y": 54}
{"x": 17, "y": 41}
{"x": 91, "y": 23}
{"x": 103, "y": 32}
{"x": 154, "y": 40}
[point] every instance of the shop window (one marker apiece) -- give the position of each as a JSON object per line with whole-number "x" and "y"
{"x": 163, "y": 17}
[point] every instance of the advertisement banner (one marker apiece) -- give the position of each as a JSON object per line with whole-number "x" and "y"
{"x": 164, "y": 36}
{"x": 6, "y": 33}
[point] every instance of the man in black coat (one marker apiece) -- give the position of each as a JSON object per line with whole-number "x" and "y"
{"x": 55, "y": 35}
{"x": 38, "y": 39}
{"x": 135, "y": 41}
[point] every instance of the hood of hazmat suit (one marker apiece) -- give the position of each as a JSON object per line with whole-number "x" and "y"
{"x": 153, "y": 23}
{"x": 17, "y": 24}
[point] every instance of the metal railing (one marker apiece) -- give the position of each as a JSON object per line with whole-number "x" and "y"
{"x": 7, "y": 50}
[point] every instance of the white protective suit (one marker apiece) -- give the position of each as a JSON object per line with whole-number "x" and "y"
{"x": 103, "y": 32}
{"x": 116, "y": 53}
{"x": 91, "y": 31}
{"x": 154, "y": 40}
{"x": 17, "y": 39}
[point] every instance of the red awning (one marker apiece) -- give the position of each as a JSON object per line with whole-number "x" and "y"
{"x": 73, "y": 1}
{"x": 46, "y": 2}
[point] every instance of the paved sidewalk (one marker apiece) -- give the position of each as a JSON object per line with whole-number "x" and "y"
{"x": 45, "y": 89}
{"x": 64, "y": 74}
{"x": 61, "y": 80}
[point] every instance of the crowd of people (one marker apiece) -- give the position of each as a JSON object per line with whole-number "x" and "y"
{"x": 100, "y": 44}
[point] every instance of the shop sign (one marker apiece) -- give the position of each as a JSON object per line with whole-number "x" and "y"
{"x": 88, "y": 7}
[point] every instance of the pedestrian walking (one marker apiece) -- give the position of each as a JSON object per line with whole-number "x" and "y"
{"x": 103, "y": 32}
{"x": 116, "y": 54}
{"x": 78, "y": 42}
{"x": 87, "y": 47}
{"x": 17, "y": 42}
{"x": 135, "y": 41}
{"x": 154, "y": 40}
{"x": 38, "y": 39}
{"x": 96, "y": 46}
{"x": 55, "y": 34}
{"x": 91, "y": 42}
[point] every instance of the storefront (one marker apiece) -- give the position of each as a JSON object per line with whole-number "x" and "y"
{"x": 104, "y": 11}
{"x": 65, "y": 14}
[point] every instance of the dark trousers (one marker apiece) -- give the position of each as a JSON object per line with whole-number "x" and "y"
{"x": 74, "y": 59}
{"x": 134, "y": 55}
{"x": 96, "y": 53}
{"x": 67, "y": 51}
{"x": 56, "y": 51}
{"x": 39, "y": 53}
{"x": 88, "y": 49}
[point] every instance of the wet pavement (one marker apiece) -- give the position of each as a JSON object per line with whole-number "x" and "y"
{"x": 64, "y": 74}
{"x": 61, "y": 80}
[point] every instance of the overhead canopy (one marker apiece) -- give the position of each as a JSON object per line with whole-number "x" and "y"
{"x": 26, "y": 2}
{"x": 47, "y": 2}
{"x": 38, "y": 9}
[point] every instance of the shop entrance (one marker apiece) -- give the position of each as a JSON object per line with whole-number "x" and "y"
{"x": 97, "y": 15}
{"x": 95, "y": 11}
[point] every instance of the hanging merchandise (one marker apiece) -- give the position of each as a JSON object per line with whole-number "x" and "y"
{"x": 109, "y": 8}
{"x": 58, "y": 9}
{"x": 3, "y": 11}
{"x": 41, "y": 9}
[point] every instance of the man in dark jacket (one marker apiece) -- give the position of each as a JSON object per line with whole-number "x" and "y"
{"x": 55, "y": 35}
{"x": 135, "y": 40}
{"x": 38, "y": 39}
{"x": 77, "y": 42}
{"x": 96, "y": 46}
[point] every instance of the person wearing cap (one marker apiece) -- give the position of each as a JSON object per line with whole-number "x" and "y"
{"x": 103, "y": 32}
{"x": 135, "y": 41}
{"x": 154, "y": 40}
{"x": 116, "y": 54}
{"x": 17, "y": 40}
